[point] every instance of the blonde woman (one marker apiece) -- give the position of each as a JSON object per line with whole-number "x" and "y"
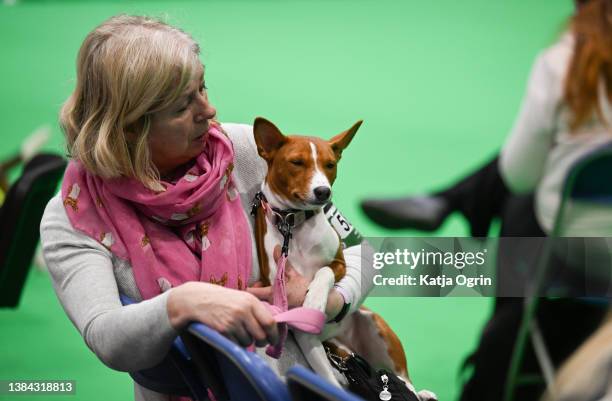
{"x": 153, "y": 205}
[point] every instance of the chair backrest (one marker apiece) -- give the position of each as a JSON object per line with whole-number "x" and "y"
{"x": 232, "y": 372}
{"x": 591, "y": 176}
{"x": 20, "y": 218}
{"x": 589, "y": 179}
{"x": 305, "y": 385}
{"x": 175, "y": 374}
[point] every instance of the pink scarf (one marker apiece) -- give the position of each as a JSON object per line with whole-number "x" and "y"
{"x": 194, "y": 231}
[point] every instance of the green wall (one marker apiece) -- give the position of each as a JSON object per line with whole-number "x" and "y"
{"x": 438, "y": 84}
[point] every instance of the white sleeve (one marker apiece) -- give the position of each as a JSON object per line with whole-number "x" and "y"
{"x": 523, "y": 156}
{"x": 126, "y": 338}
{"x": 357, "y": 282}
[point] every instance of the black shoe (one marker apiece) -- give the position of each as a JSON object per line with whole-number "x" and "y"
{"x": 424, "y": 213}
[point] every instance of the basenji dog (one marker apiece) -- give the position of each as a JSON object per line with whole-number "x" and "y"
{"x": 301, "y": 171}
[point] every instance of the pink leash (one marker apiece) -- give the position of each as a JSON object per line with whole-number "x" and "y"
{"x": 304, "y": 319}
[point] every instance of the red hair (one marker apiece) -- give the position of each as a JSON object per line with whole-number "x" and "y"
{"x": 592, "y": 60}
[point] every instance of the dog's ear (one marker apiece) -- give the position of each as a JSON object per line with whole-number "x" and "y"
{"x": 267, "y": 137}
{"x": 341, "y": 141}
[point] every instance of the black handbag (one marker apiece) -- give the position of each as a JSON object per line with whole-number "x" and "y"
{"x": 368, "y": 383}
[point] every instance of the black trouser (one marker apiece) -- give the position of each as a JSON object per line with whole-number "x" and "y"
{"x": 565, "y": 323}
{"x": 480, "y": 197}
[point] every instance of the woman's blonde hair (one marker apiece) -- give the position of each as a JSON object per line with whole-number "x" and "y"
{"x": 128, "y": 68}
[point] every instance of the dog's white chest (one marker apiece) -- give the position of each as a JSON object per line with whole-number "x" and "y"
{"x": 314, "y": 245}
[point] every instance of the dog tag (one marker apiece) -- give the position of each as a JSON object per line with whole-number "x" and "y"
{"x": 384, "y": 395}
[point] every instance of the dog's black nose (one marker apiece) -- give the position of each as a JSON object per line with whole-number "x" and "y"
{"x": 322, "y": 193}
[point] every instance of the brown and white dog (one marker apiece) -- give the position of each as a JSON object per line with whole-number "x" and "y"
{"x": 301, "y": 171}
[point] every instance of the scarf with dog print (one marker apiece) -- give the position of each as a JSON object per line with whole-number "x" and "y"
{"x": 195, "y": 230}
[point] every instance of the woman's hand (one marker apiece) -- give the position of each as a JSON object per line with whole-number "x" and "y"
{"x": 236, "y": 314}
{"x": 297, "y": 287}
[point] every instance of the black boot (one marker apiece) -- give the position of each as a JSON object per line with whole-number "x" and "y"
{"x": 424, "y": 213}
{"x": 479, "y": 197}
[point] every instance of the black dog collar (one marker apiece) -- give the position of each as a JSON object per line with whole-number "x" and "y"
{"x": 286, "y": 219}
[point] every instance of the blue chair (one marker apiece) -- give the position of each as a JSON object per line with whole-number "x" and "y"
{"x": 305, "y": 385}
{"x": 232, "y": 372}
{"x": 175, "y": 374}
{"x": 589, "y": 180}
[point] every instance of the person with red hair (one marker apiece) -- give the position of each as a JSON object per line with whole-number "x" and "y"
{"x": 565, "y": 114}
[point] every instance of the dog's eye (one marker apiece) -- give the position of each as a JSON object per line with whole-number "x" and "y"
{"x": 330, "y": 165}
{"x": 297, "y": 162}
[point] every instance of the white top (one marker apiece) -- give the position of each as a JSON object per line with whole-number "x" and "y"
{"x": 88, "y": 278}
{"x": 541, "y": 149}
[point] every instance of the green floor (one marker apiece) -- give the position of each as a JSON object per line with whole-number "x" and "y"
{"x": 438, "y": 84}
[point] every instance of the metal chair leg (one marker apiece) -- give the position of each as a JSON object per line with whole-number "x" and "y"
{"x": 541, "y": 352}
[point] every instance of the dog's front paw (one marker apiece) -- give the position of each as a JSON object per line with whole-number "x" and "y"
{"x": 319, "y": 288}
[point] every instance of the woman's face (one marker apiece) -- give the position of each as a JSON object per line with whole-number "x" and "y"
{"x": 177, "y": 134}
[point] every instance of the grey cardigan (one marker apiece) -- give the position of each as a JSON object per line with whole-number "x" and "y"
{"x": 88, "y": 278}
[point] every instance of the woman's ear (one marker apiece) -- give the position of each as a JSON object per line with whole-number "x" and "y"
{"x": 133, "y": 131}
